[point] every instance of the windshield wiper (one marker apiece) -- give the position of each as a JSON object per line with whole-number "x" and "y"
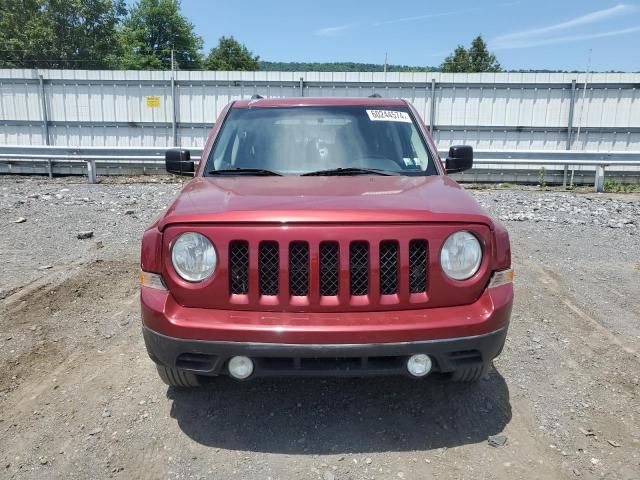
{"x": 348, "y": 171}
{"x": 245, "y": 171}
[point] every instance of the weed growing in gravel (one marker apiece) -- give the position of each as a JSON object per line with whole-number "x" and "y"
{"x": 615, "y": 186}
{"x": 541, "y": 178}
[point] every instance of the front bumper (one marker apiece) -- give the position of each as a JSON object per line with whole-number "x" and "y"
{"x": 347, "y": 343}
{"x": 211, "y": 357}
{"x": 162, "y": 314}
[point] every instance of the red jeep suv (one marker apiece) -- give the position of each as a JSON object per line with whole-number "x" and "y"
{"x": 323, "y": 237}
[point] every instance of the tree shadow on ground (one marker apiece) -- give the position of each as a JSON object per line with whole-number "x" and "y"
{"x": 318, "y": 416}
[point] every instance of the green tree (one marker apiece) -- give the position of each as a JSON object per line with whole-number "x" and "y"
{"x": 22, "y": 33}
{"x": 457, "y": 62}
{"x": 231, "y": 55}
{"x": 481, "y": 59}
{"x": 476, "y": 59}
{"x": 59, "y": 33}
{"x": 151, "y": 30}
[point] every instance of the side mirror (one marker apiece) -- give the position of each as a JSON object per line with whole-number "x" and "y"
{"x": 179, "y": 162}
{"x": 460, "y": 158}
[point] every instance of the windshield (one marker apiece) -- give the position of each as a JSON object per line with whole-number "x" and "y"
{"x": 302, "y": 140}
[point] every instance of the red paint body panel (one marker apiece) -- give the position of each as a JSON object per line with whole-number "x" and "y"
{"x": 491, "y": 311}
{"x": 324, "y": 199}
{"x": 316, "y": 209}
{"x": 151, "y": 251}
{"x": 502, "y": 247}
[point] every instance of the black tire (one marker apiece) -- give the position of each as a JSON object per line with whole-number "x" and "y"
{"x": 177, "y": 378}
{"x": 472, "y": 374}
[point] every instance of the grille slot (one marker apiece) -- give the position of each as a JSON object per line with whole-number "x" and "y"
{"x": 329, "y": 268}
{"x": 359, "y": 268}
{"x": 299, "y": 268}
{"x": 269, "y": 268}
{"x": 388, "y": 267}
{"x": 418, "y": 266}
{"x": 239, "y": 267}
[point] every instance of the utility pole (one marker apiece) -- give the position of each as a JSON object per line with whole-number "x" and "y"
{"x": 385, "y": 62}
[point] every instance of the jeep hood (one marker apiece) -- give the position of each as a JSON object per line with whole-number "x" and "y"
{"x": 292, "y": 199}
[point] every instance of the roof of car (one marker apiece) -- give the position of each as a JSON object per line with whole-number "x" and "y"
{"x": 310, "y": 101}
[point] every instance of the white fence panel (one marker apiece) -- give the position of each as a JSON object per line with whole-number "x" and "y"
{"x": 515, "y": 111}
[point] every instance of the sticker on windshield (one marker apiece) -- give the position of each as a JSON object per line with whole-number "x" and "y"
{"x": 388, "y": 116}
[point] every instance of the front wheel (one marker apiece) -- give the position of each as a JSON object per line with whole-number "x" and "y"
{"x": 471, "y": 374}
{"x": 175, "y": 377}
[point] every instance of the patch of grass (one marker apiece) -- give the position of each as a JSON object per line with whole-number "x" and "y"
{"x": 617, "y": 187}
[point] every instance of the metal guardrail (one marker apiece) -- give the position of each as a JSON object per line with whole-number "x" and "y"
{"x": 155, "y": 156}
{"x": 110, "y": 155}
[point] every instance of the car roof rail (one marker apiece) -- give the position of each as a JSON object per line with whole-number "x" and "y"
{"x": 256, "y": 97}
{"x": 375, "y": 95}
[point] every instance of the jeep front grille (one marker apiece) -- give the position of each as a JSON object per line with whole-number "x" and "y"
{"x": 369, "y": 271}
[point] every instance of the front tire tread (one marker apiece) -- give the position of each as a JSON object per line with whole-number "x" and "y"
{"x": 472, "y": 374}
{"x": 175, "y": 377}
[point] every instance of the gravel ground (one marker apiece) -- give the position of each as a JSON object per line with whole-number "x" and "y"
{"x": 79, "y": 398}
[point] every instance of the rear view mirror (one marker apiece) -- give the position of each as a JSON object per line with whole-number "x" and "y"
{"x": 179, "y": 162}
{"x": 460, "y": 158}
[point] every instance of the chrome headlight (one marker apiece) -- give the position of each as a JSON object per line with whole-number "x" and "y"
{"x": 193, "y": 257}
{"x": 461, "y": 255}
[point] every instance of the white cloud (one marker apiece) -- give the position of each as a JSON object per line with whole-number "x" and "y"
{"x": 426, "y": 16}
{"x": 541, "y": 36}
{"x": 540, "y": 41}
{"x": 334, "y": 31}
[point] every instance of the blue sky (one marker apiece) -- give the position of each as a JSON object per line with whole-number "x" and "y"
{"x": 541, "y": 34}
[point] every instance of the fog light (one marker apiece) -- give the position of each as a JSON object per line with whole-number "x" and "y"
{"x": 419, "y": 365}
{"x": 240, "y": 367}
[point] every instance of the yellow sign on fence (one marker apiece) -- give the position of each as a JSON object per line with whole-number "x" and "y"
{"x": 153, "y": 102}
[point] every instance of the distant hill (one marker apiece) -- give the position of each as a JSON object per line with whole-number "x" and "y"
{"x": 375, "y": 67}
{"x": 338, "y": 67}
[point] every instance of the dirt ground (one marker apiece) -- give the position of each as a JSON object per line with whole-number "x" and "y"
{"x": 79, "y": 398}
